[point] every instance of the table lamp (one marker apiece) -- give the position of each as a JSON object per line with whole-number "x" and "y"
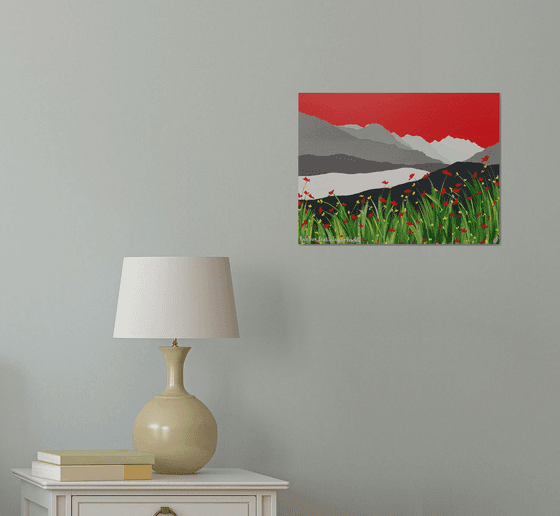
{"x": 176, "y": 298}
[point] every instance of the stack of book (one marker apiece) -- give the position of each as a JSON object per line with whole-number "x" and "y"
{"x": 78, "y": 465}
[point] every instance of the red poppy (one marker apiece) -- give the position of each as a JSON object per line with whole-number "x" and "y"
{"x": 485, "y": 158}
{"x": 431, "y": 205}
{"x": 463, "y": 230}
{"x": 409, "y": 223}
{"x": 459, "y": 185}
{"x": 299, "y": 195}
{"x": 392, "y": 230}
{"x": 299, "y": 203}
{"x": 361, "y": 225}
{"x": 478, "y": 193}
{"x": 474, "y": 175}
{"x": 306, "y": 179}
{"x": 343, "y": 204}
{"x": 304, "y": 223}
{"x": 423, "y": 193}
{"x": 311, "y": 196}
{"x": 394, "y": 203}
{"x": 410, "y": 177}
{"x": 456, "y": 201}
{"x": 478, "y": 214}
{"x": 424, "y": 240}
{"x": 447, "y": 173}
{"x": 401, "y": 215}
{"x": 331, "y": 192}
{"x": 332, "y": 209}
{"x": 452, "y": 214}
{"x": 425, "y": 175}
{"x": 353, "y": 217}
{"x": 457, "y": 240}
{"x": 443, "y": 191}
{"x": 345, "y": 221}
{"x": 486, "y": 189}
{"x": 498, "y": 183}
{"x": 370, "y": 215}
{"x": 469, "y": 198}
{"x": 363, "y": 200}
{"x": 481, "y": 242}
{"x": 417, "y": 222}
{"x": 401, "y": 243}
{"x": 456, "y": 190}
{"x": 320, "y": 211}
{"x": 410, "y": 232}
{"x": 363, "y": 239}
{"x": 445, "y": 203}
{"x": 483, "y": 226}
{"x": 385, "y": 182}
{"x": 382, "y": 200}
{"x": 327, "y": 226}
{"x": 408, "y": 190}
{"x": 481, "y": 179}
{"x": 306, "y": 192}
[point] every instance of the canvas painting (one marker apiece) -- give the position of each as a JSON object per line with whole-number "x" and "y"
{"x": 399, "y": 168}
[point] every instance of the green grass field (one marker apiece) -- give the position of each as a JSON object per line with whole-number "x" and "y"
{"x": 463, "y": 211}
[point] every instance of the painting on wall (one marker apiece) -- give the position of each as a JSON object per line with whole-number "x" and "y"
{"x": 399, "y": 168}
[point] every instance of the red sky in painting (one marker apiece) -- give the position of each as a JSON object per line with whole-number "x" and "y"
{"x": 470, "y": 116}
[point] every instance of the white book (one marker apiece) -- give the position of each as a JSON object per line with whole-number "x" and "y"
{"x": 91, "y": 472}
{"x": 75, "y": 457}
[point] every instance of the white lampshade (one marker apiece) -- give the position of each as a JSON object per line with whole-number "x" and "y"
{"x": 176, "y": 297}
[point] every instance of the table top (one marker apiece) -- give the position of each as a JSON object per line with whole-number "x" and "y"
{"x": 204, "y": 479}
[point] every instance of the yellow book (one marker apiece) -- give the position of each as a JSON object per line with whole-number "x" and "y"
{"x": 91, "y": 471}
{"x": 76, "y": 457}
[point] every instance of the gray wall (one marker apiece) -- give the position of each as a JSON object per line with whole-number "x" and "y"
{"x": 377, "y": 380}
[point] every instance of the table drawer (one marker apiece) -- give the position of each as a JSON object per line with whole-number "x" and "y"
{"x": 150, "y": 505}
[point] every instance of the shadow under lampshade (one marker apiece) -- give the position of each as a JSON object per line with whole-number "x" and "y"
{"x": 174, "y": 298}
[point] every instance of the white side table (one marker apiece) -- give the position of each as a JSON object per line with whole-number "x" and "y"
{"x": 209, "y": 492}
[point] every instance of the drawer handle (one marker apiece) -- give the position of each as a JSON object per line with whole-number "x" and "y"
{"x": 165, "y": 510}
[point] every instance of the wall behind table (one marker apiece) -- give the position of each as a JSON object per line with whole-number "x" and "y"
{"x": 377, "y": 380}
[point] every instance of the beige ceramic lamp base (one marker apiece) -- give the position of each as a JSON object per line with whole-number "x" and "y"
{"x": 175, "y": 426}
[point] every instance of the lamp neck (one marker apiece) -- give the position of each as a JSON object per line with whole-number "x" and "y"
{"x": 175, "y": 359}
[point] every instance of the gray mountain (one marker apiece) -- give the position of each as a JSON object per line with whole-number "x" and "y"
{"x": 455, "y": 149}
{"x": 418, "y": 143}
{"x": 494, "y": 151}
{"x": 374, "y": 132}
{"x": 319, "y": 138}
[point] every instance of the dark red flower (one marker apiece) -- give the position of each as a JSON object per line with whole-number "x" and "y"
{"x": 452, "y": 214}
{"x": 457, "y": 240}
{"x": 343, "y": 204}
{"x": 410, "y": 176}
{"x": 408, "y": 223}
{"x": 443, "y": 191}
{"x": 483, "y": 226}
{"x": 463, "y": 230}
{"x": 486, "y": 189}
{"x": 320, "y": 210}
{"x": 425, "y": 175}
{"x": 459, "y": 185}
{"x": 363, "y": 200}
{"x": 485, "y": 158}
{"x": 424, "y": 240}
{"x": 456, "y": 190}
{"x": 385, "y": 182}
{"x": 481, "y": 242}
{"x": 394, "y": 203}
{"x": 306, "y": 179}
{"x": 392, "y": 230}
{"x": 327, "y": 226}
{"x": 345, "y": 221}
{"x": 361, "y": 225}
{"x": 431, "y": 205}
{"x": 299, "y": 195}
{"x": 382, "y": 200}
{"x": 478, "y": 214}
{"x": 304, "y": 223}
{"x": 363, "y": 239}
{"x": 299, "y": 203}
{"x": 353, "y": 217}
{"x": 445, "y": 203}
{"x": 447, "y": 173}
{"x": 331, "y": 192}
{"x": 408, "y": 190}
{"x": 401, "y": 215}
{"x": 311, "y": 197}
{"x": 331, "y": 210}
{"x": 370, "y": 215}
{"x": 469, "y": 198}
{"x": 474, "y": 175}
{"x": 456, "y": 201}
{"x": 423, "y": 194}
{"x": 478, "y": 193}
